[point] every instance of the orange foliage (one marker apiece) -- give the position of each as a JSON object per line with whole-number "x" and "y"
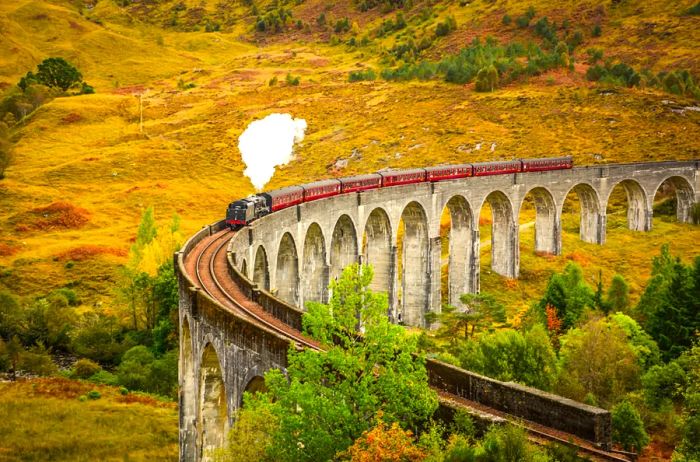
{"x": 59, "y": 215}
{"x": 511, "y": 283}
{"x": 88, "y": 251}
{"x": 72, "y": 118}
{"x": 553, "y": 321}
{"x": 7, "y": 250}
{"x": 579, "y": 258}
{"x": 385, "y": 445}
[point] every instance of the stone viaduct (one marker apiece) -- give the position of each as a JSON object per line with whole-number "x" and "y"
{"x": 288, "y": 258}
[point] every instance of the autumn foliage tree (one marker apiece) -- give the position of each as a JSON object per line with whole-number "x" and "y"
{"x": 386, "y": 443}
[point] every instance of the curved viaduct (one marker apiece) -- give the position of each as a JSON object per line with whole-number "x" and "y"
{"x": 239, "y": 292}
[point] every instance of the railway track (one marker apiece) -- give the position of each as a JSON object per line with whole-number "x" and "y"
{"x": 207, "y": 262}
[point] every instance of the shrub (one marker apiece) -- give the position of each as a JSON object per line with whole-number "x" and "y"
{"x": 628, "y": 428}
{"x": 594, "y": 55}
{"x": 94, "y": 394}
{"x": 506, "y": 20}
{"x": 445, "y": 27}
{"x": 37, "y": 361}
{"x": 522, "y": 21}
{"x": 273, "y": 81}
{"x": 105, "y": 378}
{"x": 663, "y": 384}
{"x": 694, "y": 10}
{"x": 597, "y": 31}
{"x": 291, "y": 80}
{"x": 357, "y": 76}
{"x": 487, "y": 79}
{"x": 84, "y": 368}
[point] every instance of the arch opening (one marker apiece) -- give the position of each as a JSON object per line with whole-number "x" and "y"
{"x": 213, "y": 413}
{"x": 287, "y": 273}
{"x": 314, "y": 268}
{"x": 343, "y": 246}
{"x": 538, "y": 210}
{"x": 187, "y": 392}
{"x": 261, "y": 271}
{"x": 674, "y": 197}
{"x": 244, "y": 267}
{"x": 500, "y": 228}
{"x": 582, "y": 201}
{"x": 377, "y": 251}
{"x": 630, "y": 196}
{"x": 456, "y": 237}
{"x": 414, "y": 252}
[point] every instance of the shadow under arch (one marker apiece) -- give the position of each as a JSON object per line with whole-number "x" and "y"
{"x": 638, "y": 211}
{"x": 414, "y": 265}
{"x": 684, "y": 196}
{"x": 213, "y": 416}
{"x": 314, "y": 270}
{"x": 377, "y": 251}
{"x": 504, "y": 235}
{"x": 261, "y": 270}
{"x": 547, "y": 227}
{"x": 590, "y": 218}
{"x": 461, "y": 277}
{"x": 343, "y": 246}
{"x": 287, "y": 272}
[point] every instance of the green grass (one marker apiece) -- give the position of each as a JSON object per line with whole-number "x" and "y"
{"x": 44, "y": 420}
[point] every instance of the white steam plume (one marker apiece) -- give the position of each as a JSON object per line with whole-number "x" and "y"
{"x": 267, "y": 143}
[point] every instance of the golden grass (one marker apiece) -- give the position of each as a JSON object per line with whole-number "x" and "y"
{"x": 43, "y": 420}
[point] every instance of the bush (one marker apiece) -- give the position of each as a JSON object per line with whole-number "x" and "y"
{"x": 694, "y": 10}
{"x": 628, "y": 428}
{"x": 597, "y": 31}
{"x": 105, "y": 378}
{"x": 84, "y": 368}
{"x": 93, "y": 395}
{"x": 291, "y": 80}
{"x": 487, "y": 79}
{"x": 506, "y": 20}
{"x": 37, "y": 361}
{"x": 663, "y": 385}
{"x": 357, "y": 76}
{"x": 445, "y": 27}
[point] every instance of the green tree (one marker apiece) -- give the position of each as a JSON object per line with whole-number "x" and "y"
{"x": 618, "y": 298}
{"x": 478, "y": 311}
{"x": 569, "y": 294}
{"x": 329, "y": 398}
{"x": 251, "y": 434}
{"x": 597, "y": 358}
{"x": 11, "y": 316}
{"x": 509, "y": 355}
{"x": 57, "y": 73}
{"x": 671, "y": 303}
{"x": 664, "y": 384}
{"x": 646, "y": 349}
{"x": 628, "y": 428}
{"x": 689, "y": 448}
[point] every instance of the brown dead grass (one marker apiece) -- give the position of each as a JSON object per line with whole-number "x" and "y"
{"x": 579, "y": 258}
{"x": 86, "y": 252}
{"x": 58, "y": 215}
{"x": 7, "y": 250}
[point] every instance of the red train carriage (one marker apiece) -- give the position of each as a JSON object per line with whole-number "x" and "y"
{"x": 448, "y": 172}
{"x": 361, "y": 183}
{"x": 282, "y": 198}
{"x": 497, "y": 168}
{"x": 321, "y": 189}
{"x": 554, "y": 163}
{"x": 398, "y": 177}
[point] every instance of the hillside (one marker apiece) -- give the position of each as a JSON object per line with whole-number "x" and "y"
{"x": 46, "y": 419}
{"x": 83, "y": 173}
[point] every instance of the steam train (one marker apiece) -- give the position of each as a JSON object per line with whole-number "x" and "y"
{"x": 242, "y": 212}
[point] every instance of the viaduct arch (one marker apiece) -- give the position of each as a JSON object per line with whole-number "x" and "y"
{"x": 293, "y": 254}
